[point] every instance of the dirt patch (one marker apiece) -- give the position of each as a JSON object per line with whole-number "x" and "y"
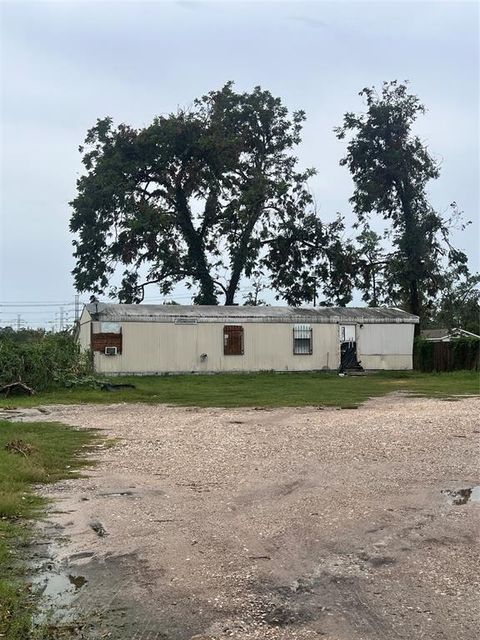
{"x": 282, "y": 524}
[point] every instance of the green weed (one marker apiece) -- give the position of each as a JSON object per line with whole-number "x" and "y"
{"x": 30, "y": 453}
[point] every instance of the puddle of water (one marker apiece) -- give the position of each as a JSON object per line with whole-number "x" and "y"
{"x": 462, "y": 496}
{"x": 57, "y": 592}
{"x": 475, "y": 495}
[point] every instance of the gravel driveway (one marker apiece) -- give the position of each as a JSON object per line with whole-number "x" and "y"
{"x": 276, "y": 524}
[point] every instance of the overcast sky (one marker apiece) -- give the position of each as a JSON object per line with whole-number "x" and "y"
{"x": 64, "y": 64}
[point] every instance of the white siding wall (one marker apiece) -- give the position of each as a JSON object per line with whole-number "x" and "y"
{"x": 151, "y": 347}
{"x": 385, "y": 346}
{"x": 167, "y": 347}
{"x": 84, "y": 331}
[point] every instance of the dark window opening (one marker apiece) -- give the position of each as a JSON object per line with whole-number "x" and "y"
{"x": 232, "y": 340}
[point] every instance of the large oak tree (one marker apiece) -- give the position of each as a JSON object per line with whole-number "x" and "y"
{"x": 391, "y": 168}
{"x": 207, "y": 196}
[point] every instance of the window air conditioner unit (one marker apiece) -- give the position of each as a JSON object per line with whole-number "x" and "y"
{"x": 111, "y": 351}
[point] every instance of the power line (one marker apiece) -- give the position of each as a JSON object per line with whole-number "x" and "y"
{"x": 36, "y": 304}
{"x": 41, "y": 301}
{"x": 37, "y": 313}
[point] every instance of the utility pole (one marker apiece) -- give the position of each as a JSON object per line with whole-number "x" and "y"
{"x": 61, "y": 318}
{"x": 19, "y": 321}
{"x": 77, "y": 307}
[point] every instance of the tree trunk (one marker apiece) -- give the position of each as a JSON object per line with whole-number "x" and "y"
{"x": 232, "y": 288}
{"x": 241, "y": 256}
{"x": 415, "y": 304}
{"x": 411, "y": 252}
{"x": 196, "y": 252}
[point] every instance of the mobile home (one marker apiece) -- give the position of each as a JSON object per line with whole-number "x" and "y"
{"x": 155, "y": 339}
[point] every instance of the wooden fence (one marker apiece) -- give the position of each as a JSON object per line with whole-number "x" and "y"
{"x": 462, "y": 353}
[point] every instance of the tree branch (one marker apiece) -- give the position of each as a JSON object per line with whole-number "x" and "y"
{"x": 159, "y": 279}
{"x": 222, "y": 286}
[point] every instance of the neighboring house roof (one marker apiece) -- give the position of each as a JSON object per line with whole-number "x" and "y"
{"x": 434, "y": 334}
{"x": 204, "y": 313}
{"x": 438, "y": 335}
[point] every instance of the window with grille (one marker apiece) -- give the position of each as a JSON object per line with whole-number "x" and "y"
{"x": 232, "y": 340}
{"x": 302, "y": 340}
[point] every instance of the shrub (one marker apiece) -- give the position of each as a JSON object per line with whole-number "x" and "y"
{"x": 47, "y": 360}
{"x": 466, "y": 353}
{"x": 423, "y": 355}
{"x": 460, "y": 353}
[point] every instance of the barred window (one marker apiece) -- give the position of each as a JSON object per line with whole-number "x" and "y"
{"x": 233, "y": 340}
{"x": 302, "y": 340}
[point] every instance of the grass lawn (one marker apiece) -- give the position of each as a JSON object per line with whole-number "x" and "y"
{"x": 263, "y": 389}
{"x": 30, "y": 453}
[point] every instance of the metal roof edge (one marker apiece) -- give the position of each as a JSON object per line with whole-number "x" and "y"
{"x": 314, "y": 315}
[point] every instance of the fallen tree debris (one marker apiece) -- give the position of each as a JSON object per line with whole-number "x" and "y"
{"x": 109, "y": 386}
{"x": 20, "y": 446}
{"x": 18, "y": 386}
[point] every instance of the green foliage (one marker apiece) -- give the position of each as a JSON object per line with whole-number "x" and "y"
{"x": 466, "y": 353}
{"x": 22, "y": 335}
{"x": 206, "y": 196}
{"x": 43, "y": 361}
{"x": 391, "y": 168}
{"x": 459, "y": 354}
{"x": 370, "y": 267}
{"x": 423, "y": 355}
{"x": 307, "y": 255}
{"x": 459, "y": 304}
{"x": 52, "y": 451}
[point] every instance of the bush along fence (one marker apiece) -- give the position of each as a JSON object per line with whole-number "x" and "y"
{"x": 43, "y": 361}
{"x": 461, "y": 353}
